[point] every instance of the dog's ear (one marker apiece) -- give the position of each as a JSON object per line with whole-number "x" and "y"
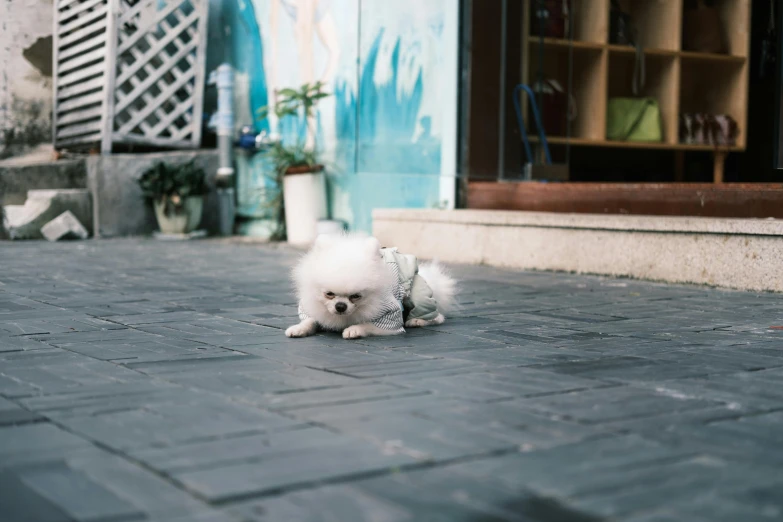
{"x": 373, "y": 246}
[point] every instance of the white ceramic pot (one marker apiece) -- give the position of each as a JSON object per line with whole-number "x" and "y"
{"x": 185, "y": 220}
{"x": 304, "y": 197}
{"x": 329, "y": 227}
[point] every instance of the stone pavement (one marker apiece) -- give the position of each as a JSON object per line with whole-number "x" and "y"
{"x": 142, "y": 380}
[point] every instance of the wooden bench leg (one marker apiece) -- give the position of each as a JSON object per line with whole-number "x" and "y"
{"x": 679, "y": 166}
{"x": 719, "y": 159}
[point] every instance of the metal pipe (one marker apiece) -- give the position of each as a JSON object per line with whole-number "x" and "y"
{"x": 224, "y": 78}
{"x": 224, "y": 122}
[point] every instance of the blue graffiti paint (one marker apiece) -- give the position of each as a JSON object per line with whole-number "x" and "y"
{"x": 345, "y": 122}
{"x": 388, "y": 119}
{"x": 382, "y": 115}
{"x": 248, "y": 54}
{"x": 293, "y": 130}
{"x": 392, "y": 169}
{"x": 384, "y": 155}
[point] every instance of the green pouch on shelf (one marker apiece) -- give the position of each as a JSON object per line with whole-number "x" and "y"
{"x": 633, "y": 119}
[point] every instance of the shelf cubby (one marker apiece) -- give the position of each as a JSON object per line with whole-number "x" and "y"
{"x": 715, "y": 87}
{"x": 662, "y": 78}
{"x": 587, "y": 84}
{"x": 656, "y": 21}
{"x": 681, "y": 80}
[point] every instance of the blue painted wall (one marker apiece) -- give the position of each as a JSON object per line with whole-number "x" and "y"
{"x": 388, "y": 133}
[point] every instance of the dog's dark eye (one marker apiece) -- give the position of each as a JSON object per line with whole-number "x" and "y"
{"x": 355, "y": 297}
{"x": 329, "y": 295}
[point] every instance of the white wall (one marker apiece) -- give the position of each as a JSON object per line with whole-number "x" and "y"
{"x": 25, "y": 90}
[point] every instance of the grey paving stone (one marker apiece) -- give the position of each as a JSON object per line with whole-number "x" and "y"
{"x": 9, "y": 305}
{"x": 613, "y": 404}
{"x": 18, "y": 344}
{"x": 744, "y": 440}
{"x": 569, "y": 470}
{"x": 228, "y": 360}
{"x": 527, "y": 354}
{"x": 233, "y": 341}
{"x": 644, "y": 489}
{"x": 206, "y": 328}
{"x": 40, "y": 373}
{"x": 626, "y": 368}
{"x": 21, "y": 503}
{"x": 423, "y": 438}
{"x": 338, "y": 395}
{"x": 503, "y": 383}
{"x": 153, "y": 351}
{"x": 64, "y": 340}
{"x": 143, "y": 489}
{"x": 440, "y": 494}
{"x": 386, "y": 500}
{"x": 436, "y": 342}
{"x": 322, "y": 352}
{"x": 338, "y": 413}
{"x": 507, "y": 420}
{"x": 171, "y": 420}
{"x": 39, "y": 313}
{"x": 75, "y": 493}
{"x": 157, "y": 318}
{"x": 53, "y": 326}
{"x": 759, "y": 389}
{"x": 204, "y": 514}
{"x": 306, "y": 467}
{"x": 31, "y": 442}
{"x": 159, "y": 387}
{"x": 92, "y": 400}
{"x": 250, "y": 448}
{"x": 422, "y": 366}
{"x": 327, "y": 503}
{"x": 12, "y": 414}
{"x": 715, "y": 509}
{"x": 721, "y": 361}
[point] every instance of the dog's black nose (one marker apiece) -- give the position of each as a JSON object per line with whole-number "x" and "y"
{"x": 341, "y": 307}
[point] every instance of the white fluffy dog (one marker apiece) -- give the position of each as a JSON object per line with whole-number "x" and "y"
{"x": 352, "y": 285}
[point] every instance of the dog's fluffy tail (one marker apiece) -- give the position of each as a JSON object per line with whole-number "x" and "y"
{"x": 444, "y": 287}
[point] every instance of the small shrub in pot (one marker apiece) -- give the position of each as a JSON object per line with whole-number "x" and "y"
{"x": 177, "y": 194}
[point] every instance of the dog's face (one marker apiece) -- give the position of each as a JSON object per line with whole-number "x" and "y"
{"x": 342, "y": 303}
{"x": 343, "y": 280}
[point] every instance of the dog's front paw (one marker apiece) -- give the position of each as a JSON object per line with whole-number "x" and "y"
{"x": 418, "y": 323}
{"x": 354, "y": 332}
{"x": 299, "y": 330}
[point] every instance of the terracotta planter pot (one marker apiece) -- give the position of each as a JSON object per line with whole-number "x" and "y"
{"x": 186, "y": 219}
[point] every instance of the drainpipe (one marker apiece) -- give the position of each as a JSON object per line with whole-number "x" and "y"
{"x": 224, "y": 78}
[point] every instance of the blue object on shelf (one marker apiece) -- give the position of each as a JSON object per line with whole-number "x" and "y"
{"x": 536, "y": 118}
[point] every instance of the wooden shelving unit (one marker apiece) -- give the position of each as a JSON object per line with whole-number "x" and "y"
{"x": 681, "y": 81}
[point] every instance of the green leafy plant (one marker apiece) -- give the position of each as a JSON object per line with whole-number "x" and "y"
{"x": 171, "y": 184}
{"x": 285, "y": 158}
{"x": 297, "y": 102}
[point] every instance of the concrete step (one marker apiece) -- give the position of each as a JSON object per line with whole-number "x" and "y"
{"x": 17, "y": 180}
{"x": 733, "y": 253}
{"x": 64, "y": 226}
{"x": 42, "y": 206}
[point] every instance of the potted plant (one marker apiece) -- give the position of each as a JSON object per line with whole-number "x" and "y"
{"x": 296, "y": 167}
{"x": 177, "y": 195}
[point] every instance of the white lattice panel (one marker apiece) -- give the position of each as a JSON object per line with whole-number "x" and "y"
{"x": 129, "y": 72}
